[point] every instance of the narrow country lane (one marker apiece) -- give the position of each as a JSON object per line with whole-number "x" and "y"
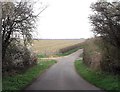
{"x": 62, "y": 76}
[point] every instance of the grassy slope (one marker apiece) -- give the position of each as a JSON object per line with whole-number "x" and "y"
{"x": 19, "y": 81}
{"x": 68, "y": 52}
{"x": 41, "y": 56}
{"x": 102, "y": 80}
{"x": 59, "y": 54}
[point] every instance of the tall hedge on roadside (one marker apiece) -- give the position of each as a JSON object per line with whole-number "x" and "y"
{"x": 106, "y": 24}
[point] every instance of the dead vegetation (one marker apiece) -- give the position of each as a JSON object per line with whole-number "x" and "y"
{"x": 100, "y": 55}
{"x": 92, "y": 55}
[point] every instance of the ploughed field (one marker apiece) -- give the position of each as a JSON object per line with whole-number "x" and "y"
{"x": 50, "y": 47}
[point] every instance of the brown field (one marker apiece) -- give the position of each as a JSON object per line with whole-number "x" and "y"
{"x": 49, "y": 47}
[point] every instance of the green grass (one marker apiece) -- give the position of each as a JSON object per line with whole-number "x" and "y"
{"x": 59, "y": 54}
{"x": 68, "y": 52}
{"x": 102, "y": 80}
{"x": 41, "y": 56}
{"x": 19, "y": 81}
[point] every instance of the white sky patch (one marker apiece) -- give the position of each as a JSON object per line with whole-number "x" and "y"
{"x": 64, "y": 19}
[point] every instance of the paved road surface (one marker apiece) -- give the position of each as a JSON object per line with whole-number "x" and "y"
{"x": 62, "y": 76}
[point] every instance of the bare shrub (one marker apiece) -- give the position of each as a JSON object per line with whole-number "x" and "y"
{"x": 91, "y": 55}
{"x": 99, "y": 54}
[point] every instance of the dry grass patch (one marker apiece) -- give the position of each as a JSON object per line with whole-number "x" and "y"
{"x": 50, "y": 47}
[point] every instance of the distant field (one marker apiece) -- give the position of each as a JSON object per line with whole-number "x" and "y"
{"x": 52, "y": 46}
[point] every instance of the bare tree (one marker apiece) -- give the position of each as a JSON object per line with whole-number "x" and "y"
{"x": 17, "y": 17}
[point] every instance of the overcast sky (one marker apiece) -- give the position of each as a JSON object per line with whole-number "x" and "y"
{"x": 64, "y": 19}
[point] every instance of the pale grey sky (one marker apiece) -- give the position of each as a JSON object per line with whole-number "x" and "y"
{"x": 64, "y": 19}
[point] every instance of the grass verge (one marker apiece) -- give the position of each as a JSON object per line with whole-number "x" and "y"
{"x": 102, "y": 80}
{"x": 68, "y": 52}
{"x": 18, "y": 82}
{"x": 42, "y": 56}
